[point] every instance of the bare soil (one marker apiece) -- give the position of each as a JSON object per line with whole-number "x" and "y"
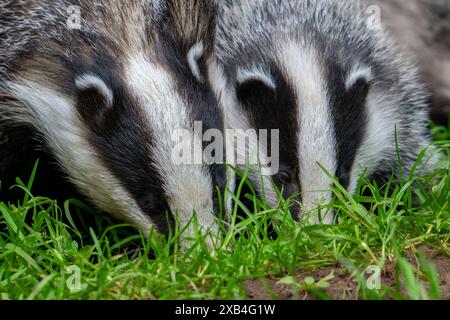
{"x": 343, "y": 285}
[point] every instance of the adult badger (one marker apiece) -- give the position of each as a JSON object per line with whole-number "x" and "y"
{"x": 103, "y": 98}
{"x": 325, "y": 74}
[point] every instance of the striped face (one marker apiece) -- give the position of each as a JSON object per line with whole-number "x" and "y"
{"x": 320, "y": 108}
{"x": 107, "y": 109}
{"x": 168, "y": 102}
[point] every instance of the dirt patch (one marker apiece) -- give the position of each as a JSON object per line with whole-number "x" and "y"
{"x": 442, "y": 264}
{"x": 342, "y": 284}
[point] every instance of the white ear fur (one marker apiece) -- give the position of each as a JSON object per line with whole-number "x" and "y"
{"x": 194, "y": 54}
{"x": 89, "y": 81}
{"x": 255, "y": 73}
{"x": 357, "y": 73}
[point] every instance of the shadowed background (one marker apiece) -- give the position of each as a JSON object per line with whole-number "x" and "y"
{"x": 422, "y": 28}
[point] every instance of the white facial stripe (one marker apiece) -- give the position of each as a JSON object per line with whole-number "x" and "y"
{"x": 193, "y": 56}
{"x": 216, "y": 76}
{"x": 54, "y": 116}
{"x": 316, "y": 142}
{"x": 89, "y": 81}
{"x": 255, "y": 73}
{"x": 187, "y": 186}
{"x": 358, "y": 73}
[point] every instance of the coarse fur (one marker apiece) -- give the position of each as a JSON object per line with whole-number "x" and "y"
{"x": 332, "y": 82}
{"x": 102, "y": 100}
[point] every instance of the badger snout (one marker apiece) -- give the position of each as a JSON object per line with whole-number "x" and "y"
{"x": 193, "y": 208}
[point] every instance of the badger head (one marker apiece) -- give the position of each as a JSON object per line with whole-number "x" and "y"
{"x": 330, "y": 83}
{"x": 106, "y": 99}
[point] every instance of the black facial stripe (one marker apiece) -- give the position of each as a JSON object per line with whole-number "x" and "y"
{"x": 219, "y": 178}
{"x": 273, "y": 109}
{"x": 349, "y": 118}
{"x": 121, "y": 137}
{"x": 269, "y": 109}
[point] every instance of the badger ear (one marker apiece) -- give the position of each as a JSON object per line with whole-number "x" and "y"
{"x": 93, "y": 85}
{"x": 191, "y": 26}
{"x": 93, "y": 95}
{"x": 255, "y": 74}
{"x": 358, "y": 75}
{"x": 254, "y": 81}
{"x": 358, "y": 83}
{"x": 193, "y": 57}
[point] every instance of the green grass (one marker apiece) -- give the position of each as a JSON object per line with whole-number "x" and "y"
{"x": 47, "y": 248}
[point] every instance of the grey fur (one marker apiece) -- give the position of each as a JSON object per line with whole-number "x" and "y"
{"x": 252, "y": 32}
{"x": 43, "y": 60}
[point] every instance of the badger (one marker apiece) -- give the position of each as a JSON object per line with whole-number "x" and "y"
{"x": 99, "y": 86}
{"x": 344, "y": 99}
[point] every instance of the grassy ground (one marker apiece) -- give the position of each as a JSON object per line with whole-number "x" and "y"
{"x": 384, "y": 246}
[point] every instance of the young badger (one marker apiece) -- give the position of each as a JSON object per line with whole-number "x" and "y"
{"x": 332, "y": 83}
{"x": 103, "y": 100}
